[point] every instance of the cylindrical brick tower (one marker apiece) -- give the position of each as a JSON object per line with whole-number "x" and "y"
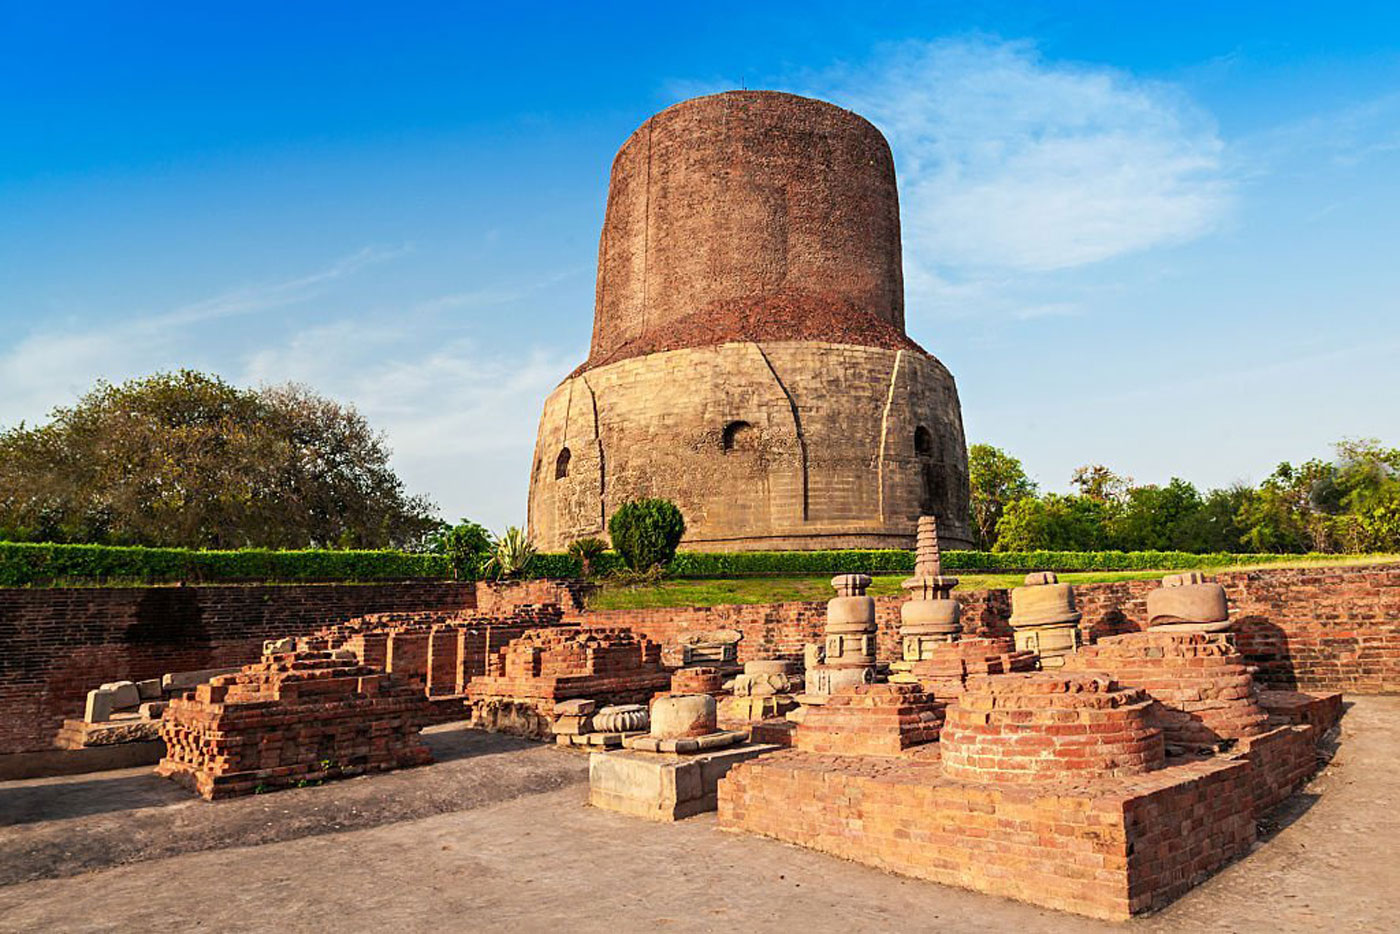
{"x": 749, "y": 360}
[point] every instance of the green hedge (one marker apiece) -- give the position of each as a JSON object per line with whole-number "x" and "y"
{"x": 23, "y": 564}
{"x": 813, "y": 563}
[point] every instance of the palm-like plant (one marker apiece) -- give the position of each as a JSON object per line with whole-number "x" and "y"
{"x": 512, "y": 555}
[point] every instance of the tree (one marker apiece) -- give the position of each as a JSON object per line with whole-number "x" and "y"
{"x": 1218, "y": 526}
{"x": 1054, "y": 523}
{"x": 997, "y": 480}
{"x": 1098, "y": 482}
{"x": 467, "y": 545}
{"x": 646, "y": 532}
{"x": 186, "y": 459}
{"x": 1153, "y": 518}
{"x": 1288, "y": 512}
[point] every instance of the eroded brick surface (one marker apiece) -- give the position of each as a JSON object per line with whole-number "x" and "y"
{"x": 291, "y": 719}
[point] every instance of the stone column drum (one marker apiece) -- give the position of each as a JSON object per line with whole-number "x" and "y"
{"x": 848, "y": 653}
{"x": 1044, "y": 618}
{"x": 1188, "y": 603}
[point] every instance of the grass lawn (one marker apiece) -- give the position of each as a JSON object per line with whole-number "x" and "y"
{"x": 715, "y": 592}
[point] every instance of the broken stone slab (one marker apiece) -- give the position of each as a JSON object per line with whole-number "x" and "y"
{"x": 577, "y": 707}
{"x": 99, "y": 706}
{"x": 152, "y": 710}
{"x": 604, "y": 740}
{"x": 149, "y": 689}
{"x": 685, "y": 745}
{"x": 572, "y": 726}
{"x": 186, "y": 680}
{"x": 124, "y": 694}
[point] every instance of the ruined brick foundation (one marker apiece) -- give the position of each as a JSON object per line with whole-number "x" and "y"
{"x": 542, "y": 666}
{"x": 288, "y": 720}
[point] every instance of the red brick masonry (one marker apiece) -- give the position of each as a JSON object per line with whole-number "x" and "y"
{"x": 58, "y": 643}
{"x": 1203, "y": 687}
{"x": 1327, "y": 629}
{"x": 1108, "y": 849}
{"x": 871, "y": 720}
{"x": 1046, "y": 726}
{"x": 289, "y": 719}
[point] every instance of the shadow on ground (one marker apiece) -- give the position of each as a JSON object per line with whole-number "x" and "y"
{"x": 64, "y": 826}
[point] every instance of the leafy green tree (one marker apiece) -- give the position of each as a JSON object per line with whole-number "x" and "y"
{"x": 1218, "y": 527}
{"x": 186, "y": 459}
{"x": 1287, "y": 514}
{"x": 1097, "y": 482}
{"x": 646, "y": 532}
{"x": 1054, "y": 523}
{"x": 467, "y": 545}
{"x": 997, "y": 480}
{"x": 1153, "y": 518}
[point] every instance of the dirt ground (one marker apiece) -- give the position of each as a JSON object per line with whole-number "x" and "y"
{"x": 495, "y": 837}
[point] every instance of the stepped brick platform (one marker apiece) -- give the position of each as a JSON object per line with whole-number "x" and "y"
{"x": 1282, "y": 759}
{"x": 1321, "y": 711}
{"x": 1107, "y": 848}
{"x": 290, "y": 719}
{"x": 1048, "y": 726}
{"x": 542, "y": 666}
{"x": 1203, "y": 687}
{"x": 945, "y": 672}
{"x": 870, "y": 720}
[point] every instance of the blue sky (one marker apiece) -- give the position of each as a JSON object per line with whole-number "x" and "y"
{"x": 1158, "y": 236}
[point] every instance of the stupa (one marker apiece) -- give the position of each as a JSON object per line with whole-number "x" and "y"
{"x": 749, "y": 359}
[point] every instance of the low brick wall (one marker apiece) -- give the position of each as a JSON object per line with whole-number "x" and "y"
{"x": 56, "y": 644}
{"x": 1333, "y": 628}
{"x": 1108, "y": 849}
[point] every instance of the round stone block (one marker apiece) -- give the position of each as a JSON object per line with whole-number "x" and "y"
{"x": 621, "y": 718}
{"x": 1189, "y": 601}
{"x": 681, "y": 715}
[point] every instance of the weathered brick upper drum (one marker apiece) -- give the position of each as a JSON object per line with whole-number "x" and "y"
{"x": 1046, "y": 726}
{"x": 749, "y": 360}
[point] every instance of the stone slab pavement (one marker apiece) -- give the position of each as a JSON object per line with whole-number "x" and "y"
{"x": 496, "y": 837}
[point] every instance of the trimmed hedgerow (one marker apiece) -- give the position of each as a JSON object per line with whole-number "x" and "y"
{"x": 24, "y": 564}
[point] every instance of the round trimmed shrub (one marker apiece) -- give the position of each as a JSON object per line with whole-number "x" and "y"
{"x": 646, "y": 532}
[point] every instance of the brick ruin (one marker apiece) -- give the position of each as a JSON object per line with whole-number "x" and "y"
{"x": 523, "y": 682}
{"x": 295, "y": 718}
{"x": 1107, "y": 784}
{"x": 440, "y": 651}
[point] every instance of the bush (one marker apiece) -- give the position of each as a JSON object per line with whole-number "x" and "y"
{"x": 691, "y": 564}
{"x": 587, "y": 551}
{"x": 24, "y": 564}
{"x": 467, "y": 546}
{"x": 646, "y": 532}
{"x": 512, "y": 555}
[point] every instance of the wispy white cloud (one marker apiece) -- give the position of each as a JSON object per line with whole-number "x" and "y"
{"x": 265, "y": 297}
{"x": 1346, "y": 137}
{"x": 1012, "y": 162}
{"x": 460, "y": 417}
{"x": 51, "y": 366}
